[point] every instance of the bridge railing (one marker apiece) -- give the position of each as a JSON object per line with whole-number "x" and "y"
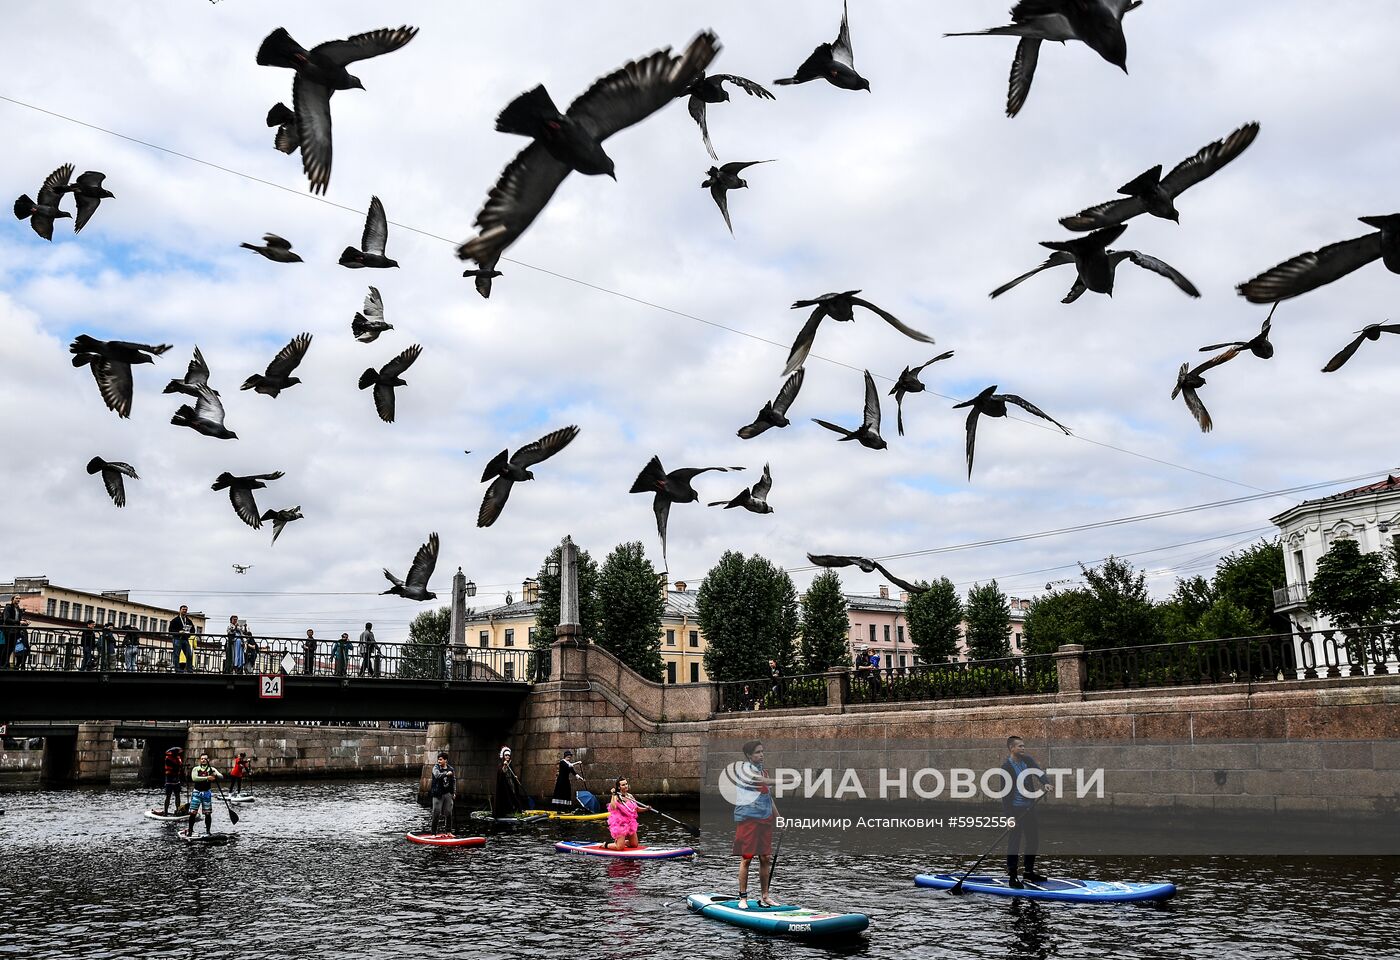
{"x": 66, "y": 649}
{"x": 1305, "y": 655}
{"x": 956, "y": 680}
{"x": 801, "y": 690}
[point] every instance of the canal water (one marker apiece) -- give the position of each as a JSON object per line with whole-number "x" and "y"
{"x": 323, "y": 870}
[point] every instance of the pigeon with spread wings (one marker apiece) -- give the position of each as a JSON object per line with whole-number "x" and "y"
{"x": 753, "y": 499}
{"x": 909, "y": 382}
{"x": 1097, "y": 266}
{"x": 372, "y": 241}
{"x": 993, "y": 404}
{"x": 833, "y": 62}
{"x": 43, "y": 212}
{"x": 1155, "y": 194}
{"x": 839, "y": 307}
{"x": 573, "y": 140}
{"x": 1370, "y": 332}
{"x": 1259, "y": 345}
{"x": 206, "y": 416}
{"x": 868, "y": 433}
{"x": 669, "y": 488}
{"x": 1189, "y": 380}
{"x": 280, "y": 519}
{"x": 274, "y": 248}
{"x": 386, "y": 378}
{"x": 369, "y": 323}
{"x": 278, "y": 376}
{"x": 88, "y": 192}
{"x": 112, "y": 473}
{"x": 505, "y": 472}
{"x": 774, "y": 412}
{"x": 1317, "y": 268}
{"x": 724, "y": 178}
{"x": 320, "y": 72}
{"x": 111, "y": 362}
{"x": 866, "y": 565}
{"x": 196, "y": 377}
{"x": 240, "y": 494}
{"x": 710, "y": 89}
{"x": 415, "y": 585}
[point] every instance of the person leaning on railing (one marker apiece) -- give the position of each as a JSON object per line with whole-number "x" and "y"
{"x": 131, "y": 647}
{"x": 10, "y": 620}
{"x": 181, "y": 629}
{"x": 20, "y": 642}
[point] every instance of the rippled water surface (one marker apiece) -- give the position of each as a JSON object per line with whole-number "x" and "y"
{"x": 323, "y": 870}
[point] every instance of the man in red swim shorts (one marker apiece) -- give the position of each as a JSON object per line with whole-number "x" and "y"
{"x": 754, "y": 814}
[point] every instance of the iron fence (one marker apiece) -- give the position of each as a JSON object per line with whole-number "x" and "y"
{"x": 952, "y": 681}
{"x": 801, "y": 690}
{"x": 67, "y": 649}
{"x": 1305, "y": 655}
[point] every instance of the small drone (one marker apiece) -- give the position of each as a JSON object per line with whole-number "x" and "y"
{"x": 242, "y": 567}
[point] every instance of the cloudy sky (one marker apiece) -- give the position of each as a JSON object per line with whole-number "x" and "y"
{"x": 920, "y": 193}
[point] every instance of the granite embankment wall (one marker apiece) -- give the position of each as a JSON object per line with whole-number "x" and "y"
{"x": 300, "y": 752}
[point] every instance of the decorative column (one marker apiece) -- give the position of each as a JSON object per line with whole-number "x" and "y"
{"x": 457, "y": 628}
{"x": 1071, "y": 666}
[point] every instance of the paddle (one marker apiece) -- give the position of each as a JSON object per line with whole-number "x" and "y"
{"x": 688, "y": 828}
{"x": 232, "y": 813}
{"x": 773, "y": 865}
{"x": 956, "y": 889}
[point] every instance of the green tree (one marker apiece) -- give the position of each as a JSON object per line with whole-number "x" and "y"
{"x": 629, "y": 596}
{"x": 547, "y": 617}
{"x": 747, "y": 608}
{"x": 825, "y": 625}
{"x": 935, "y": 621}
{"x": 1247, "y": 578}
{"x": 988, "y": 623}
{"x": 1120, "y": 613}
{"x": 1225, "y": 618}
{"x": 1055, "y": 619}
{"x": 1354, "y": 589}
{"x": 422, "y": 655}
{"x": 1179, "y": 618}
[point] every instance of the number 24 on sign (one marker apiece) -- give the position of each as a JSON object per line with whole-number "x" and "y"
{"x": 270, "y": 686}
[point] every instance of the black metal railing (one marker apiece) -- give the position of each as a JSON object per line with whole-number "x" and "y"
{"x": 952, "y": 681}
{"x": 66, "y": 649}
{"x": 801, "y": 690}
{"x": 1305, "y": 655}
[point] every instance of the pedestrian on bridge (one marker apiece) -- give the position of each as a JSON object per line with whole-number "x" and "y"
{"x": 181, "y": 631}
{"x": 308, "y": 649}
{"x": 10, "y": 618}
{"x": 369, "y": 652}
{"x": 443, "y": 789}
{"x": 108, "y": 642}
{"x": 251, "y": 649}
{"x": 234, "y": 651}
{"x": 20, "y": 642}
{"x": 131, "y": 647}
{"x": 89, "y": 641}
{"x": 342, "y": 655}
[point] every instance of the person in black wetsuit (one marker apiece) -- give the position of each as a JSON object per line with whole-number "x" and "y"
{"x": 1027, "y": 776}
{"x": 507, "y": 800}
{"x": 443, "y": 789}
{"x": 563, "y": 796}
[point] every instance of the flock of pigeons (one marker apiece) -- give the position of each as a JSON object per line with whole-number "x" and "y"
{"x": 571, "y": 140}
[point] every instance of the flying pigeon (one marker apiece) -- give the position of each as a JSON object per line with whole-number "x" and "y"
{"x": 722, "y": 179}
{"x": 1096, "y": 23}
{"x": 287, "y": 138}
{"x": 240, "y": 494}
{"x": 43, "y": 212}
{"x": 561, "y": 143}
{"x": 993, "y": 404}
{"x": 1155, "y": 194}
{"x": 367, "y": 326}
{"x": 416, "y": 587}
{"x": 833, "y": 62}
{"x": 866, "y": 565}
{"x": 774, "y": 413}
{"x": 839, "y": 307}
{"x": 196, "y": 377}
{"x": 508, "y": 472}
{"x": 669, "y": 488}
{"x": 274, "y": 248}
{"x": 710, "y": 89}
{"x": 1372, "y": 332}
{"x": 909, "y": 382}
{"x": 868, "y": 433}
{"x": 1097, "y": 265}
{"x": 320, "y": 72}
{"x": 1259, "y": 345}
{"x": 112, "y": 473}
{"x": 280, "y": 518}
{"x": 753, "y": 499}
{"x": 483, "y": 279}
{"x": 1308, "y": 271}
{"x": 278, "y": 376}
{"x": 111, "y": 362}
{"x": 376, "y": 235}
{"x": 88, "y": 193}
{"x": 1189, "y": 380}
{"x": 207, "y": 415}
{"x": 386, "y": 379}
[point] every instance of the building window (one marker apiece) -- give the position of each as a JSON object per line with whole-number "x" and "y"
{"x": 63, "y": 610}
{"x": 87, "y": 612}
{"x": 1302, "y": 572}
{"x": 484, "y": 638}
{"x": 164, "y": 626}
{"x": 671, "y": 671}
{"x": 121, "y": 619}
{"x": 52, "y": 607}
{"x": 887, "y": 633}
{"x": 509, "y": 671}
{"x": 872, "y": 633}
{"x": 899, "y": 633}
{"x": 671, "y": 640}
{"x": 101, "y": 614}
{"x": 857, "y": 634}
{"x": 695, "y": 638}
{"x": 902, "y": 659}
{"x": 695, "y": 673}
{"x": 532, "y": 636}
{"x": 144, "y": 623}
{"x": 1016, "y": 642}
{"x": 510, "y": 636}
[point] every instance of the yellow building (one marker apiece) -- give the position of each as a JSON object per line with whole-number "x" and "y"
{"x": 45, "y": 604}
{"x": 512, "y": 626}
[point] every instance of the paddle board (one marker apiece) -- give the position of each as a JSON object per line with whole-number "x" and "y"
{"x": 484, "y": 816}
{"x": 576, "y": 816}
{"x": 636, "y": 853}
{"x": 785, "y": 919}
{"x": 445, "y": 840}
{"x": 167, "y": 817}
{"x": 1056, "y": 888}
{"x": 213, "y": 839}
{"x": 242, "y": 799}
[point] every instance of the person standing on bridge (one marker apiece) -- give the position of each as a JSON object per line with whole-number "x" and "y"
{"x": 181, "y": 629}
{"x": 20, "y": 642}
{"x": 10, "y": 617}
{"x": 754, "y": 818}
{"x": 89, "y": 641}
{"x": 342, "y": 655}
{"x": 234, "y": 651}
{"x": 369, "y": 652}
{"x": 174, "y": 777}
{"x": 308, "y": 649}
{"x": 202, "y": 779}
{"x": 131, "y": 647}
{"x": 443, "y": 790}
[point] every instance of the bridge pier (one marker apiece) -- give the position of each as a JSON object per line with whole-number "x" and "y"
{"x": 472, "y": 752}
{"x": 92, "y": 754}
{"x": 152, "y": 769}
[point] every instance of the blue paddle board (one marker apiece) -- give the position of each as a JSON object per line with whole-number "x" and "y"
{"x": 1055, "y": 888}
{"x": 784, "y": 920}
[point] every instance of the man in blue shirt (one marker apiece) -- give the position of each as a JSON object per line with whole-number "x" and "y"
{"x": 1027, "y": 777}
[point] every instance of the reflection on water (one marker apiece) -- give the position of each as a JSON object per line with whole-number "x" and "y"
{"x": 322, "y": 870}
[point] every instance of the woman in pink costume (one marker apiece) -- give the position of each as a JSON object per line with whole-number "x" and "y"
{"x": 622, "y": 817}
